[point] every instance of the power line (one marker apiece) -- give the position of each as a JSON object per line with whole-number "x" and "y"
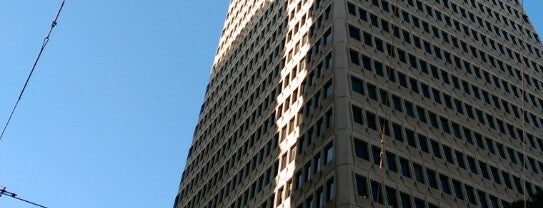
{"x": 44, "y": 44}
{"x": 13, "y": 195}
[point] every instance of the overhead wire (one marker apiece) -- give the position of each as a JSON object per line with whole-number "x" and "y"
{"x": 13, "y": 195}
{"x": 44, "y": 44}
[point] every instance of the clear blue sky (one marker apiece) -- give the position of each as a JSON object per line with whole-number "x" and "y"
{"x": 109, "y": 114}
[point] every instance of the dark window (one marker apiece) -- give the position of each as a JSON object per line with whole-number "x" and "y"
{"x": 357, "y": 85}
{"x": 420, "y": 112}
{"x": 372, "y": 121}
{"x": 397, "y": 103}
{"x": 448, "y": 154}
{"x": 471, "y": 195}
{"x": 392, "y": 199}
{"x": 445, "y": 187}
{"x": 458, "y": 189}
{"x": 367, "y": 39}
{"x": 432, "y": 181}
{"x": 361, "y": 149}
{"x": 361, "y": 186}
{"x": 484, "y": 170}
{"x": 377, "y": 192}
{"x": 366, "y": 63}
{"x": 404, "y": 165}
{"x": 418, "y": 172}
{"x": 351, "y": 8}
{"x": 419, "y": 203}
{"x": 435, "y": 149}
{"x": 423, "y": 143}
{"x": 410, "y": 135}
{"x": 472, "y": 165}
{"x": 460, "y": 159}
{"x": 406, "y": 200}
{"x": 372, "y": 91}
{"x": 354, "y": 33}
{"x": 397, "y": 129}
{"x": 391, "y": 162}
{"x": 357, "y": 115}
{"x": 376, "y": 153}
{"x": 354, "y": 57}
{"x": 409, "y": 109}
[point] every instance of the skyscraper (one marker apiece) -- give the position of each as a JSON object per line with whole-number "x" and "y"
{"x": 370, "y": 103}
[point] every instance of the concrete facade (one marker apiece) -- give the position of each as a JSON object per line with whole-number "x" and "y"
{"x": 370, "y": 103}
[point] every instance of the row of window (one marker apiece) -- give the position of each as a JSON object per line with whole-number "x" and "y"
{"x": 451, "y": 59}
{"x": 485, "y": 24}
{"x": 393, "y": 198}
{"x": 434, "y": 120}
{"x": 447, "y": 100}
{"x": 466, "y": 162}
{"x": 431, "y": 146}
{"x": 451, "y": 103}
{"x": 457, "y": 83}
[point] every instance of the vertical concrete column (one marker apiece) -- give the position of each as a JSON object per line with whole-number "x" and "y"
{"x": 343, "y": 125}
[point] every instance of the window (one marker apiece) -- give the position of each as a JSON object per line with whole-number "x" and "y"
{"x": 354, "y": 32}
{"x": 377, "y": 192}
{"x": 354, "y": 57}
{"x": 392, "y": 200}
{"x": 309, "y": 202}
{"x": 308, "y": 171}
{"x": 357, "y": 85}
{"x": 404, "y": 166}
{"x": 317, "y": 163}
{"x": 328, "y": 89}
{"x": 472, "y": 165}
{"x": 419, "y": 174}
{"x": 458, "y": 189}
{"x": 391, "y": 162}
{"x": 376, "y": 153}
{"x": 330, "y": 188}
{"x": 410, "y": 135}
{"x": 372, "y": 92}
{"x": 372, "y": 122}
{"x": 357, "y": 115}
{"x": 419, "y": 203}
{"x": 423, "y": 142}
{"x": 361, "y": 149}
{"x": 471, "y": 195}
{"x": 435, "y": 149}
{"x": 320, "y": 197}
{"x": 445, "y": 187}
{"x": 431, "y": 178}
{"x": 328, "y": 153}
{"x": 406, "y": 200}
{"x": 361, "y": 186}
{"x": 397, "y": 132}
{"x": 351, "y": 8}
